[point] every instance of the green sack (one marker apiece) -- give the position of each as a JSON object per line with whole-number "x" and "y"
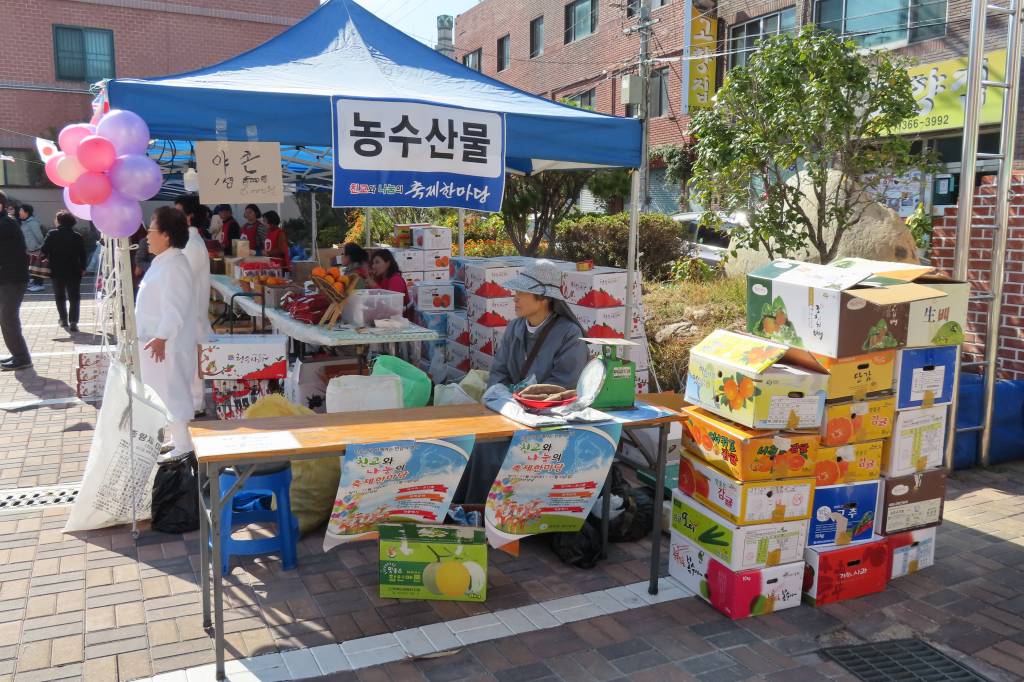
{"x": 416, "y": 385}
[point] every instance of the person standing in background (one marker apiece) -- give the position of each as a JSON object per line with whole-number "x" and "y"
{"x": 65, "y": 249}
{"x": 199, "y": 262}
{"x": 34, "y": 236}
{"x": 275, "y": 245}
{"x": 215, "y": 223}
{"x": 254, "y": 230}
{"x": 229, "y": 229}
{"x": 13, "y": 283}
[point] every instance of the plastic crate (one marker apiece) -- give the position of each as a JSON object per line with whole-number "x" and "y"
{"x": 365, "y": 306}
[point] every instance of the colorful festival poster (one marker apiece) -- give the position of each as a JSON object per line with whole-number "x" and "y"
{"x": 395, "y": 481}
{"x": 549, "y": 481}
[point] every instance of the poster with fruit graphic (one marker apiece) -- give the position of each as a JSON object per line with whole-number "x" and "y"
{"x": 738, "y": 547}
{"x": 399, "y": 480}
{"x": 858, "y": 421}
{"x": 549, "y": 481}
{"x": 911, "y": 551}
{"x": 834, "y": 575}
{"x": 843, "y": 513}
{"x": 447, "y": 563}
{"x": 848, "y": 463}
{"x": 755, "y": 592}
{"x": 244, "y": 356}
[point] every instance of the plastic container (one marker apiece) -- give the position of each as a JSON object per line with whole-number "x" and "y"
{"x": 416, "y": 385}
{"x": 361, "y": 393}
{"x": 365, "y": 306}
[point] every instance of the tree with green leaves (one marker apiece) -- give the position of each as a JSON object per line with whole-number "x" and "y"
{"x": 801, "y": 139}
{"x": 533, "y": 206}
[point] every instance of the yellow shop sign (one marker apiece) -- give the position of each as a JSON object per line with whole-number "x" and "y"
{"x": 940, "y": 87}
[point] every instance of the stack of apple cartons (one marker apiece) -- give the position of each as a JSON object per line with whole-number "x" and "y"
{"x": 490, "y": 306}
{"x": 854, "y": 316}
{"x": 740, "y": 514}
{"x": 422, "y": 252}
{"x": 91, "y": 372}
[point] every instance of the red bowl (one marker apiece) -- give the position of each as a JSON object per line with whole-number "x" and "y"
{"x": 542, "y": 404}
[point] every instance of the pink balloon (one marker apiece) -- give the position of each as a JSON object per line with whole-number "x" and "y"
{"x": 72, "y": 135}
{"x": 136, "y": 176}
{"x": 51, "y": 169}
{"x": 73, "y": 196}
{"x": 126, "y": 130}
{"x": 96, "y": 153}
{"x": 80, "y": 211}
{"x": 92, "y": 188}
{"x": 69, "y": 169}
{"x": 118, "y": 216}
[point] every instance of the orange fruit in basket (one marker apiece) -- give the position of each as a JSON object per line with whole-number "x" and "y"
{"x": 342, "y": 280}
{"x": 335, "y": 273}
{"x": 339, "y": 287}
{"x": 330, "y": 280}
{"x": 319, "y": 271}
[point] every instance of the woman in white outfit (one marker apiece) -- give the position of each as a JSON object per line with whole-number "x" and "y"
{"x": 199, "y": 261}
{"x": 165, "y": 314}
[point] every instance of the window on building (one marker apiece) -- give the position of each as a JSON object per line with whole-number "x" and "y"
{"x": 743, "y": 38}
{"x": 580, "y": 19}
{"x": 584, "y": 100}
{"x": 21, "y": 168}
{"x": 504, "y": 52}
{"x": 537, "y": 37}
{"x": 657, "y": 103}
{"x": 472, "y": 59}
{"x": 83, "y": 54}
{"x": 874, "y": 23}
{"x": 633, "y": 6}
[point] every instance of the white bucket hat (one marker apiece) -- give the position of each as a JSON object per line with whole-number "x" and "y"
{"x": 543, "y": 278}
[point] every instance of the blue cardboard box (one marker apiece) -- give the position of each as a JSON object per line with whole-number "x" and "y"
{"x": 435, "y": 321}
{"x": 924, "y": 376}
{"x": 843, "y": 513}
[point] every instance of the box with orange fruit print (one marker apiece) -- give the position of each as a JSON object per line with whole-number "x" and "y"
{"x": 858, "y": 422}
{"x": 848, "y": 463}
{"x": 748, "y": 454}
{"x": 434, "y": 297}
{"x": 745, "y": 503}
{"x": 756, "y": 383}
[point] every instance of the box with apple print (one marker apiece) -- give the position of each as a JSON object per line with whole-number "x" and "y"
{"x": 834, "y": 574}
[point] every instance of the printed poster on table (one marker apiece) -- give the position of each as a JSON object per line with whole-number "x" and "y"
{"x": 403, "y": 153}
{"x": 549, "y": 481}
{"x": 395, "y": 481}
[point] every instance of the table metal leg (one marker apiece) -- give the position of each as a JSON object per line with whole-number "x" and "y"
{"x": 218, "y": 593}
{"x": 659, "y": 497}
{"x": 204, "y": 544}
{"x": 606, "y": 510}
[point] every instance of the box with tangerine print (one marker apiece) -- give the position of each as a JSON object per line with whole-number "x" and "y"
{"x": 848, "y": 463}
{"x": 433, "y": 296}
{"x": 748, "y": 454}
{"x": 858, "y": 421}
{"x": 745, "y": 503}
{"x": 756, "y": 383}
{"x": 859, "y": 376}
{"x": 834, "y": 574}
{"x": 843, "y": 513}
{"x": 755, "y": 592}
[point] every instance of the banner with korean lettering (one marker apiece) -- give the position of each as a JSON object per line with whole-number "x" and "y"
{"x": 239, "y": 172}
{"x": 940, "y": 89}
{"x": 549, "y": 481}
{"x": 699, "y": 73}
{"x": 415, "y": 154}
{"x": 395, "y": 481}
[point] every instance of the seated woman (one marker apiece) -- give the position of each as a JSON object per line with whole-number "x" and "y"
{"x": 384, "y": 274}
{"x": 543, "y": 341}
{"x": 355, "y": 260}
{"x": 275, "y": 245}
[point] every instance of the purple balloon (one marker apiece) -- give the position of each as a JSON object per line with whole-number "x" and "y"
{"x": 118, "y": 216}
{"x": 136, "y": 176}
{"x": 126, "y": 130}
{"x": 80, "y": 211}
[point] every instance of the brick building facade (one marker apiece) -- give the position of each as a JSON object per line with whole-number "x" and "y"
{"x": 52, "y": 49}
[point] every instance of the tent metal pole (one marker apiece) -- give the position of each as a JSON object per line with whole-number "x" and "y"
{"x": 462, "y": 232}
{"x": 368, "y": 226}
{"x": 638, "y": 191}
{"x": 312, "y": 211}
{"x": 634, "y": 225}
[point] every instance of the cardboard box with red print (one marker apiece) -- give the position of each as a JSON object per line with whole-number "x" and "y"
{"x": 412, "y": 278}
{"x": 488, "y": 278}
{"x": 457, "y": 356}
{"x": 601, "y": 287}
{"x": 457, "y": 266}
{"x": 755, "y": 592}
{"x": 244, "y": 356}
{"x": 478, "y": 360}
{"x": 232, "y": 398}
{"x": 491, "y": 312}
{"x": 458, "y": 327}
{"x": 859, "y": 376}
{"x": 431, "y": 237}
{"x": 738, "y": 547}
{"x": 911, "y": 551}
{"x": 748, "y": 454}
{"x": 911, "y": 502}
{"x": 848, "y": 463}
{"x": 858, "y": 421}
{"x": 601, "y": 323}
{"x": 485, "y": 339}
{"x": 917, "y": 442}
{"x": 409, "y": 260}
{"x": 745, "y": 503}
{"x": 835, "y": 574}
{"x": 643, "y": 381}
{"x": 433, "y": 296}
{"x": 843, "y": 513}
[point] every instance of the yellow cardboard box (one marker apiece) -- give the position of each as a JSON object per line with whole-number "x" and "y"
{"x": 859, "y": 376}
{"x": 858, "y": 421}
{"x": 848, "y": 463}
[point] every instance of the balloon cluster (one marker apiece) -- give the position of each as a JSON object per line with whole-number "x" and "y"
{"x": 105, "y": 172}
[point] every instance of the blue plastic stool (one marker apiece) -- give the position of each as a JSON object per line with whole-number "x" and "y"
{"x": 276, "y": 482}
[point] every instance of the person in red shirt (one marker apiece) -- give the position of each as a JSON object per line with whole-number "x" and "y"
{"x": 385, "y": 273}
{"x": 254, "y": 230}
{"x": 275, "y": 245}
{"x": 229, "y": 228}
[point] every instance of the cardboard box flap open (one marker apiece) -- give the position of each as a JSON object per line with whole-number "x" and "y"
{"x": 748, "y": 353}
{"x": 899, "y": 293}
{"x": 740, "y": 433}
{"x": 904, "y": 272}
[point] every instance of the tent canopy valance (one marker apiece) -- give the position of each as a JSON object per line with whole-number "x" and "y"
{"x": 281, "y": 91}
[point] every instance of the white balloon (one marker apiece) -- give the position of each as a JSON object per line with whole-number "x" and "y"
{"x": 69, "y": 169}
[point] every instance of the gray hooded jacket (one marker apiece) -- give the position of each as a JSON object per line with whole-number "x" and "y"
{"x": 33, "y": 232}
{"x": 559, "y": 361}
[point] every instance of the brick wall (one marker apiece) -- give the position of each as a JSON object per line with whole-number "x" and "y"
{"x": 151, "y": 38}
{"x": 1011, "y": 336}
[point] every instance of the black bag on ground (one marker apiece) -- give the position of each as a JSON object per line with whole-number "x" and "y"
{"x": 582, "y": 549}
{"x": 176, "y": 497}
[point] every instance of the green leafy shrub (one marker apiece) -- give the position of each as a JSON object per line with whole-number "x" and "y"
{"x": 605, "y": 240}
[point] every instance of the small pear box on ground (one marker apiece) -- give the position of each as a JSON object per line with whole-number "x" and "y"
{"x": 420, "y": 561}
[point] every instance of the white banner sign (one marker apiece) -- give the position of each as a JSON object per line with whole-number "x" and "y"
{"x": 239, "y": 172}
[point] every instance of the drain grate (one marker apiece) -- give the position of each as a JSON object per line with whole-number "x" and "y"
{"x": 19, "y": 499}
{"x": 900, "y": 659}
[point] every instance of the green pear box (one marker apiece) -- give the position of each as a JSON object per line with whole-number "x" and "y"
{"x": 738, "y": 547}
{"x": 420, "y": 561}
{"x": 834, "y": 310}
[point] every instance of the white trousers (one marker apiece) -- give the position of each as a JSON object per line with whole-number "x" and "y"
{"x": 172, "y": 380}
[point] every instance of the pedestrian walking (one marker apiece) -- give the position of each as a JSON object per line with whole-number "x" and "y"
{"x": 65, "y": 249}
{"x": 13, "y": 283}
{"x": 34, "y": 236}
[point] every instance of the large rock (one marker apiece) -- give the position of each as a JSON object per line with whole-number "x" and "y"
{"x": 880, "y": 234}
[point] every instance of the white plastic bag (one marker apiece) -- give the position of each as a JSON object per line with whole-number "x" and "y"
{"x": 451, "y": 394}
{"x": 356, "y": 393}
{"x": 116, "y": 474}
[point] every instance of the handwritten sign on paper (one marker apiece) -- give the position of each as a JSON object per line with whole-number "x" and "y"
{"x": 239, "y": 172}
{"x": 246, "y": 443}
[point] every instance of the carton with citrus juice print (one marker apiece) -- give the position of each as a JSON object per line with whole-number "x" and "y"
{"x": 838, "y": 574}
{"x": 748, "y": 454}
{"x": 848, "y": 463}
{"x": 756, "y": 383}
{"x": 834, "y": 311}
{"x": 738, "y": 547}
{"x": 858, "y": 421}
{"x": 756, "y": 592}
{"x": 745, "y": 503}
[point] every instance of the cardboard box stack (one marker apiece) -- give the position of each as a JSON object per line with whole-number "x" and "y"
{"x": 886, "y": 334}
{"x": 91, "y": 371}
{"x": 242, "y": 369}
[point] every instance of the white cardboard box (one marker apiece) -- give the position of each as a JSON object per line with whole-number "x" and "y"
{"x": 486, "y": 339}
{"x": 601, "y": 323}
{"x": 412, "y": 278}
{"x": 494, "y": 312}
{"x": 432, "y": 237}
{"x": 488, "y": 279}
{"x": 911, "y": 551}
{"x": 478, "y": 360}
{"x": 457, "y": 356}
{"x": 458, "y": 327}
{"x": 917, "y": 442}
{"x": 601, "y": 287}
{"x": 433, "y": 296}
{"x": 436, "y": 260}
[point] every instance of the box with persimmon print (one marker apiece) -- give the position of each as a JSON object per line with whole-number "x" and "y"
{"x": 748, "y": 454}
{"x": 848, "y": 463}
{"x": 756, "y": 383}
